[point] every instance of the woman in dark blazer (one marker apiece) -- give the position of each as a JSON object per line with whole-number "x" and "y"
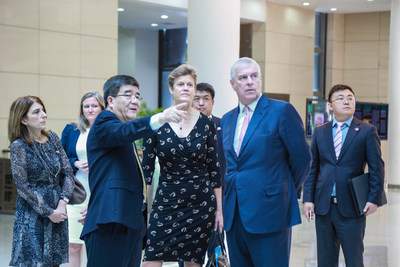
{"x": 73, "y": 139}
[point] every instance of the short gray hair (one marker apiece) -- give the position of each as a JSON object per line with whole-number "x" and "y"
{"x": 243, "y": 61}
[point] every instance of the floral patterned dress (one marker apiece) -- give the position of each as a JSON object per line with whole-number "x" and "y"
{"x": 183, "y": 211}
{"x": 37, "y": 171}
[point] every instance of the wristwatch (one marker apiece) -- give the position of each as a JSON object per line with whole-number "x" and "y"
{"x": 65, "y": 199}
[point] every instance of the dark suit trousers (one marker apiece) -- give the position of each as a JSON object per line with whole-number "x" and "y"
{"x": 333, "y": 231}
{"x": 257, "y": 250}
{"x": 114, "y": 244}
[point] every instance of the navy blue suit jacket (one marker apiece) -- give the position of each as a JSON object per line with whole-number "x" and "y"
{"x": 69, "y": 138}
{"x": 273, "y": 162}
{"x": 114, "y": 178}
{"x": 221, "y": 155}
{"x": 361, "y": 146}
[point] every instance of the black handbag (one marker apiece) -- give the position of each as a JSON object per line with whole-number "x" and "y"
{"x": 222, "y": 259}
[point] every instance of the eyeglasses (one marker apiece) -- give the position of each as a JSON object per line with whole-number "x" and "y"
{"x": 131, "y": 96}
{"x": 342, "y": 99}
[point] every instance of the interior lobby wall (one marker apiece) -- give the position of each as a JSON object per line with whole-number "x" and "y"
{"x": 56, "y": 50}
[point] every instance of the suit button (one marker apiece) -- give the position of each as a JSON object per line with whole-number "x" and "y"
{"x": 239, "y": 188}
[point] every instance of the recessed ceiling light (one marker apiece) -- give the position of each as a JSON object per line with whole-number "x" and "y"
{"x": 164, "y": 16}
{"x": 306, "y": 3}
{"x": 120, "y": 9}
{"x": 370, "y": 0}
{"x": 154, "y": 25}
{"x": 333, "y": 9}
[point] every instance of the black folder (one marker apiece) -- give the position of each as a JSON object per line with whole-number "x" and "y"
{"x": 359, "y": 187}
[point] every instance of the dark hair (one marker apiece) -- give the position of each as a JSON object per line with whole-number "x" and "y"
{"x": 207, "y": 88}
{"x": 184, "y": 69}
{"x": 339, "y": 87}
{"x": 83, "y": 123}
{"x": 18, "y": 111}
{"x": 112, "y": 85}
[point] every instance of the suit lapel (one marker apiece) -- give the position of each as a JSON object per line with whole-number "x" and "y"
{"x": 258, "y": 114}
{"x": 351, "y": 133}
{"x": 327, "y": 133}
{"x": 231, "y": 129}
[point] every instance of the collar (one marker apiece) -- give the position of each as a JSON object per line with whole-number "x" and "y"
{"x": 347, "y": 122}
{"x": 252, "y": 106}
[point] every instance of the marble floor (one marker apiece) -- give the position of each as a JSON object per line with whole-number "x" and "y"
{"x": 382, "y": 239}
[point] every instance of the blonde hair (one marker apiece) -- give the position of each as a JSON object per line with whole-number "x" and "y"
{"x": 184, "y": 69}
{"x": 18, "y": 110}
{"x": 83, "y": 123}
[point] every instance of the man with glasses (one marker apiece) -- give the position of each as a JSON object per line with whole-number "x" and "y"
{"x": 340, "y": 150}
{"x": 114, "y": 226}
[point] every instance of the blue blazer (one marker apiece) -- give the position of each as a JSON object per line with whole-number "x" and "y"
{"x": 69, "y": 138}
{"x": 114, "y": 179}
{"x": 273, "y": 162}
{"x": 221, "y": 155}
{"x": 361, "y": 146}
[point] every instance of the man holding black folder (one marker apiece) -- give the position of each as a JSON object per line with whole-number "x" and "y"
{"x": 341, "y": 149}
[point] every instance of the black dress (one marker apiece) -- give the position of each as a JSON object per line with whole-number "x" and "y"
{"x": 183, "y": 211}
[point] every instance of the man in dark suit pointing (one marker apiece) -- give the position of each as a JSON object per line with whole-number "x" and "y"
{"x": 114, "y": 225}
{"x": 340, "y": 150}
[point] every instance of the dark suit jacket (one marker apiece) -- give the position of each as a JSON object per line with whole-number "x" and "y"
{"x": 361, "y": 146}
{"x": 69, "y": 138}
{"x": 273, "y": 162}
{"x": 221, "y": 155}
{"x": 114, "y": 178}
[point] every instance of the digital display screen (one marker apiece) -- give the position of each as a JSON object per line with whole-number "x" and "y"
{"x": 318, "y": 113}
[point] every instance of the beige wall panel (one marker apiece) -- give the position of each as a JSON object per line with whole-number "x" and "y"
{"x": 98, "y": 57}
{"x": 302, "y": 50}
{"x": 58, "y": 125}
{"x": 4, "y": 143}
{"x": 384, "y": 26}
{"x": 19, "y": 49}
{"x": 60, "y": 95}
{"x": 88, "y": 84}
{"x": 279, "y": 19}
{"x": 14, "y": 85}
{"x": 384, "y": 54}
{"x": 361, "y": 55}
{"x": 258, "y": 45}
{"x": 362, "y": 27}
{"x": 259, "y": 27}
{"x": 383, "y": 82}
{"x": 337, "y": 77}
{"x": 277, "y": 79}
{"x": 338, "y": 27}
{"x": 301, "y": 80}
{"x": 59, "y": 53}
{"x": 277, "y": 48}
{"x": 60, "y": 15}
{"x": 99, "y": 18}
{"x": 299, "y": 103}
{"x": 363, "y": 82}
{"x": 338, "y": 55}
{"x": 20, "y": 13}
{"x": 303, "y": 22}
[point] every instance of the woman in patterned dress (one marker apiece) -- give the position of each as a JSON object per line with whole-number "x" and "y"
{"x": 44, "y": 181}
{"x": 73, "y": 139}
{"x": 187, "y": 205}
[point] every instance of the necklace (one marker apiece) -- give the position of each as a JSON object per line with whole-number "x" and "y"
{"x": 46, "y": 167}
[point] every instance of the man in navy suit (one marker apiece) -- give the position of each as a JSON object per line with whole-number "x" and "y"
{"x": 267, "y": 159}
{"x": 114, "y": 225}
{"x": 340, "y": 150}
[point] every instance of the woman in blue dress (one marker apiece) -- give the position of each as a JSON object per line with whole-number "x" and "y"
{"x": 44, "y": 181}
{"x": 73, "y": 139}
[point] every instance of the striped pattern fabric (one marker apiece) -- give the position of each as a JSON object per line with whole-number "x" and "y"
{"x": 244, "y": 127}
{"x": 337, "y": 140}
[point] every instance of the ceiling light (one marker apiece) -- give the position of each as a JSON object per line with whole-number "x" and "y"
{"x": 154, "y": 25}
{"x": 164, "y": 16}
{"x": 370, "y": 0}
{"x": 120, "y": 9}
{"x": 306, "y": 3}
{"x": 333, "y": 9}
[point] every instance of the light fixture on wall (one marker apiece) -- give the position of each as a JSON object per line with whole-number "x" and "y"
{"x": 306, "y": 3}
{"x": 120, "y": 9}
{"x": 154, "y": 25}
{"x": 333, "y": 9}
{"x": 164, "y": 16}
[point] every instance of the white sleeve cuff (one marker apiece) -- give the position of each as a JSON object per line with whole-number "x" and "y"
{"x": 155, "y": 122}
